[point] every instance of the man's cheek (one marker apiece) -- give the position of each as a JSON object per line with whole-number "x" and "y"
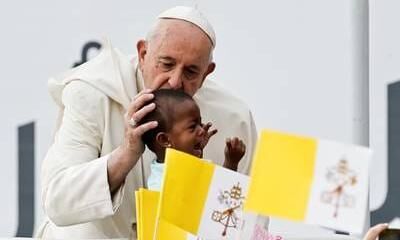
{"x": 191, "y": 88}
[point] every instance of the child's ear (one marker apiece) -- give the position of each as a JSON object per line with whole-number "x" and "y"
{"x": 162, "y": 140}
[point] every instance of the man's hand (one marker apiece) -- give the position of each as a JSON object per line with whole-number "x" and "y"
{"x": 234, "y": 151}
{"x": 138, "y": 109}
{"x": 374, "y": 231}
{"x": 124, "y": 158}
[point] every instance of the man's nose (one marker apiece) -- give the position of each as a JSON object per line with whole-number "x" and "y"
{"x": 175, "y": 80}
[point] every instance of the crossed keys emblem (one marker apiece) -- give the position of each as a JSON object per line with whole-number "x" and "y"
{"x": 341, "y": 176}
{"x": 233, "y": 202}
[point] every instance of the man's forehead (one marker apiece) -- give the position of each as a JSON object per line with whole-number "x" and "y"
{"x": 171, "y": 47}
{"x": 181, "y": 29}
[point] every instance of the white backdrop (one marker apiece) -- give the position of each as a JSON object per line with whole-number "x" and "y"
{"x": 300, "y": 65}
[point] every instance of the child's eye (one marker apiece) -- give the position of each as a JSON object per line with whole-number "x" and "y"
{"x": 192, "y": 127}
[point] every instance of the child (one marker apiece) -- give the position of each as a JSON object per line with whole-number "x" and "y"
{"x": 180, "y": 127}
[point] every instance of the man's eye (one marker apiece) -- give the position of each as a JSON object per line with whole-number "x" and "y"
{"x": 190, "y": 73}
{"x": 167, "y": 65}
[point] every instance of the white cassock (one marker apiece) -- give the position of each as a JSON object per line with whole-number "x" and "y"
{"x": 93, "y": 99}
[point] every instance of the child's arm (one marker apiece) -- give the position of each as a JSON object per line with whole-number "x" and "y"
{"x": 234, "y": 151}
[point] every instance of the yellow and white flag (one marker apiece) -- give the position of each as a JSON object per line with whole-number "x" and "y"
{"x": 311, "y": 180}
{"x": 146, "y": 214}
{"x": 167, "y": 230}
{"x": 201, "y": 197}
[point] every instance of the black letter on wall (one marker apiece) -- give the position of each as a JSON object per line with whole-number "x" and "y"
{"x": 26, "y": 180}
{"x": 85, "y": 51}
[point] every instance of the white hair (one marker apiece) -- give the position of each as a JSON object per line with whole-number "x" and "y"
{"x": 155, "y": 32}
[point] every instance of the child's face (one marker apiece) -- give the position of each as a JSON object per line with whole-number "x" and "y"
{"x": 187, "y": 133}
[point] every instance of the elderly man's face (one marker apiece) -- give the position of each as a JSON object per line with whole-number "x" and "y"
{"x": 177, "y": 57}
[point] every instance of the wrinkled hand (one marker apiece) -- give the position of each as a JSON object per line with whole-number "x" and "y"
{"x": 234, "y": 151}
{"x": 207, "y": 134}
{"x": 374, "y": 231}
{"x": 125, "y": 157}
{"x": 138, "y": 108}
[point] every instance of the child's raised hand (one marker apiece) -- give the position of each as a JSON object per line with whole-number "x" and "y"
{"x": 234, "y": 151}
{"x": 207, "y": 134}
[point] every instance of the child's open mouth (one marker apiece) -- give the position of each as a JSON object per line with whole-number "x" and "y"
{"x": 198, "y": 150}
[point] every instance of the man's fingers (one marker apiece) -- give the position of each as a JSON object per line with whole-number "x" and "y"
{"x": 374, "y": 231}
{"x": 141, "y": 129}
{"x": 142, "y": 93}
{"x": 143, "y": 112}
{"x": 138, "y": 103}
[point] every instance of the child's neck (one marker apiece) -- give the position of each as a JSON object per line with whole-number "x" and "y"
{"x": 160, "y": 155}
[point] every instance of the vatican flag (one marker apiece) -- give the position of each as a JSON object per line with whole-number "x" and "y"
{"x": 311, "y": 180}
{"x": 167, "y": 230}
{"x": 146, "y": 213}
{"x": 201, "y": 198}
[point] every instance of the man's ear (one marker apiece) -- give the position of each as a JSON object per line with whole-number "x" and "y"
{"x": 162, "y": 140}
{"x": 210, "y": 69}
{"x": 141, "y": 47}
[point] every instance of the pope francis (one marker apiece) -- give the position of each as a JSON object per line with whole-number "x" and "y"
{"x": 97, "y": 159}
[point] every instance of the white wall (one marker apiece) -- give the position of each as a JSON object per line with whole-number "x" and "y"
{"x": 300, "y": 65}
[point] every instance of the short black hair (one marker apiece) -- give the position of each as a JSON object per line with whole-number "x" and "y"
{"x": 166, "y": 101}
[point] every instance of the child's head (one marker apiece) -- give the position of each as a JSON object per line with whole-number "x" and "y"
{"x": 179, "y": 124}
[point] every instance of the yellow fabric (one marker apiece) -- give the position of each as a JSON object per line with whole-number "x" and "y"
{"x": 168, "y": 231}
{"x": 138, "y": 216}
{"x": 146, "y": 212}
{"x": 185, "y": 189}
{"x": 281, "y": 175}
